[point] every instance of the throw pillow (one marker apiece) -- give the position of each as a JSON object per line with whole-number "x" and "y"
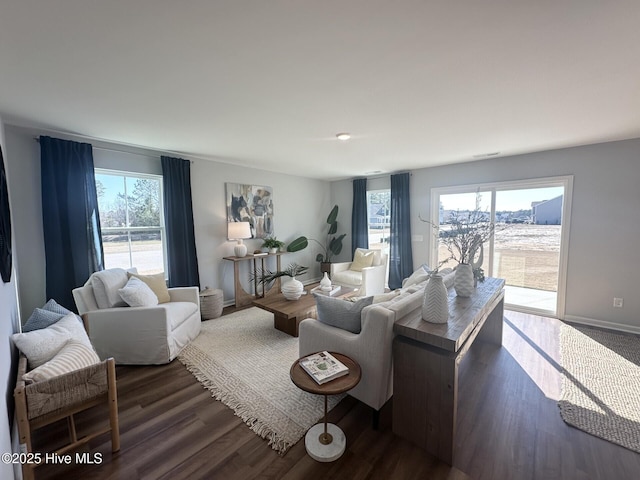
{"x": 361, "y": 259}
{"x": 156, "y": 283}
{"x": 73, "y": 356}
{"x": 49, "y": 314}
{"x": 53, "y": 306}
{"x": 136, "y": 293}
{"x": 420, "y": 275}
{"x": 106, "y": 284}
{"x": 41, "y": 318}
{"x": 340, "y": 313}
{"x": 72, "y": 324}
{"x": 40, "y": 346}
{"x": 385, "y": 297}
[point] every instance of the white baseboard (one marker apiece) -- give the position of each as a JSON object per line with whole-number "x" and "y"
{"x": 621, "y": 327}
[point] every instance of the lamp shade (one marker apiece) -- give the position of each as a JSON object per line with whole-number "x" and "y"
{"x": 238, "y": 230}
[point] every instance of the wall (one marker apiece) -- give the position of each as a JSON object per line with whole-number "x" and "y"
{"x": 298, "y": 204}
{"x": 9, "y": 324}
{"x": 604, "y": 221}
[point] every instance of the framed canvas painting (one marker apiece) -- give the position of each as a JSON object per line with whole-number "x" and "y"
{"x": 253, "y": 204}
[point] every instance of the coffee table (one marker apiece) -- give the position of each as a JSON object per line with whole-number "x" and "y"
{"x": 287, "y": 314}
{"x": 326, "y": 442}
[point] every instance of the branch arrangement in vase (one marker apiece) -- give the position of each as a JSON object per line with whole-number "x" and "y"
{"x": 267, "y": 276}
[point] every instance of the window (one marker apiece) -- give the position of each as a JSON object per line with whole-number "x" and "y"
{"x": 132, "y": 220}
{"x": 379, "y": 216}
{"x": 529, "y": 248}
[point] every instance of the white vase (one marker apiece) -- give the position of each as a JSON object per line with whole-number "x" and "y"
{"x": 435, "y": 304}
{"x": 273, "y": 250}
{"x": 325, "y": 283}
{"x": 292, "y": 290}
{"x": 463, "y": 280}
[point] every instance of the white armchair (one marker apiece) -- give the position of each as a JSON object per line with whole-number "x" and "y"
{"x": 371, "y": 348}
{"x": 141, "y": 335}
{"x": 370, "y": 280}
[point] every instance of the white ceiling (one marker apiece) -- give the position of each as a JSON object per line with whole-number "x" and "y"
{"x": 268, "y": 83}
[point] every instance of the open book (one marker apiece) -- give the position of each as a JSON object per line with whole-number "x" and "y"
{"x": 323, "y": 367}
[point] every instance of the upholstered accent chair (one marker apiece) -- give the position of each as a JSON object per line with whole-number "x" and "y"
{"x": 367, "y": 272}
{"x": 371, "y": 348}
{"x": 137, "y": 335}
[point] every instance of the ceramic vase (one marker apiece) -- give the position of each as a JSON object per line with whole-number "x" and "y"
{"x": 463, "y": 280}
{"x": 273, "y": 250}
{"x": 325, "y": 283}
{"x": 292, "y": 290}
{"x": 435, "y": 304}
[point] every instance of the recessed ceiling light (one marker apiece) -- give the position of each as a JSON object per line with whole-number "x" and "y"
{"x": 343, "y": 136}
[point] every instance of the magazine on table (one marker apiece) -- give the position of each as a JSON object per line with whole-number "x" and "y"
{"x": 323, "y": 367}
{"x": 334, "y": 289}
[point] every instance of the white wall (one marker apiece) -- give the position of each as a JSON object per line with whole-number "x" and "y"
{"x": 299, "y": 203}
{"x": 9, "y": 324}
{"x": 603, "y": 245}
{"x": 301, "y": 206}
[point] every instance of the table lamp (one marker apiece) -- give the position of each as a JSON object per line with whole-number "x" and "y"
{"x": 238, "y": 231}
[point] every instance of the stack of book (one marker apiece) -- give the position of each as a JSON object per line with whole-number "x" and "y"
{"x": 334, "y": 289}
{"x": 323, "y": 367}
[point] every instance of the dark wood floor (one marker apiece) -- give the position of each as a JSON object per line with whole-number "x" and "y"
{"x": 508, "y": 428}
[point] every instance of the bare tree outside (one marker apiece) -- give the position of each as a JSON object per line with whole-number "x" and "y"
{"x": 131, "y": 221}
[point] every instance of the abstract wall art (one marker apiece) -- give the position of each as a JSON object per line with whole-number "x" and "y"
{"x": 253, "y": 204}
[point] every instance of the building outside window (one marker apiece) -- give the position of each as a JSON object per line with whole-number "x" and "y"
{"x": 132, "y": 220}
{"x": 379, "y": 214}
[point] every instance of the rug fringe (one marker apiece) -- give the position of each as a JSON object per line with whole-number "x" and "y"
{"x": 258, "y": 427}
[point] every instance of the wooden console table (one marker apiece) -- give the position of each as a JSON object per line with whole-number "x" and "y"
{"x": 426, "y": 359}
{"x": 242, "y": 297}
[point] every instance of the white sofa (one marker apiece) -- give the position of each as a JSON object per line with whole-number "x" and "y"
{"x": 141, "y": 335}
{"x": 371, "y": 280}
{"x": 371, "y": 348}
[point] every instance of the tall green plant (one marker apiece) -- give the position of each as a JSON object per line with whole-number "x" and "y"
{"x": 333, "y": 242}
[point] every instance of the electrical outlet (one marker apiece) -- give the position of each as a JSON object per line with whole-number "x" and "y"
{"x": 617, "y": 302}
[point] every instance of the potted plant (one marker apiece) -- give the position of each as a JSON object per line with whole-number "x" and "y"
{"x": 272, "y": 244}
{"x": 331, "y": 247}
{"x": 294, "y": 288}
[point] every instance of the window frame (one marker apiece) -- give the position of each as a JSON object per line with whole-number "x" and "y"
{"x": 565, "y": 181}
{"x": 162, "y": 227}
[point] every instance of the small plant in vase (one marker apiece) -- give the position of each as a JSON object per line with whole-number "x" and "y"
{"x": 293, "y": 289}
{"x": 272, "y": 244}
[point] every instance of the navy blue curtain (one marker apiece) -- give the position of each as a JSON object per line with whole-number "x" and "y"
{"x": 400, "y": 256}
{"x": 359, "y": 217}
{"x": 70, "y": 218}
{"x": 178, "y": 219}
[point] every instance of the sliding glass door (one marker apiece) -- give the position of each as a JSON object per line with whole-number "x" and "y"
{"x": 528, "y": 249}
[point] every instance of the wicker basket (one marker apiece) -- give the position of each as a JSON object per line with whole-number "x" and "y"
{"x": 211, "y": 300}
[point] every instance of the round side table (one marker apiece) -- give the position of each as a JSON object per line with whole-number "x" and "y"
{"x": 326, "y": 442}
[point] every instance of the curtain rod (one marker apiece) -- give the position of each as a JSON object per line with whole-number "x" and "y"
{"x": 382, "y": 175}
{"x": 116, "y": 150}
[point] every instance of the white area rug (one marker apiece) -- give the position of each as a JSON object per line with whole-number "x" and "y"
{"x": 601, "y": 384}
{"x": 245, "y": 364}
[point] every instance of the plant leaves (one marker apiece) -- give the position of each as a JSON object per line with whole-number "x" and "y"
{"x": 335, "y": 245}
{"x": 319, "y": 258}
{"x": 333, "y": 215}
{"x": 298, "y": 244}
{"x": 333, "y": 228}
